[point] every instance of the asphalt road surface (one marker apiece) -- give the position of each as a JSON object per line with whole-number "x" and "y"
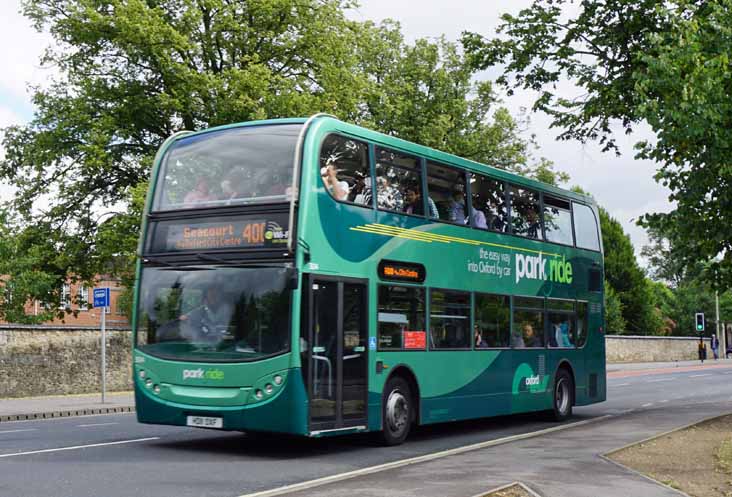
{"x": 113, "y": 455}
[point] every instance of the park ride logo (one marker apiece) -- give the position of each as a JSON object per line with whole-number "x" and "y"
{"x": 200, "y": 373}
{"x": 535, "y": 268}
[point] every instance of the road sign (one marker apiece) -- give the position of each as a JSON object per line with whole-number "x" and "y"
{"x": 101, "y": 297}
{"x": 700, "y": 322}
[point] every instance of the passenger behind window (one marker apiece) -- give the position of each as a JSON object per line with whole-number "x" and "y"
{"x": 478, "y": 338}
{"x": 201, "y": 193}
{"x": 339, "y": 189}
{"x": 477, "y": 217}
{"x": 456, "y": 207}
{"x": 562, "y": 334}
{"x": 361, "y": 193}
{"x": 496, "y": 217}
{"x": 533, "y": 228}
{"x": 413, "y": 202}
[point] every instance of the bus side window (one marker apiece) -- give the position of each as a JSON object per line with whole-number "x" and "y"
{"x": 585, "y": 227}
{"x": 449, "y": 320}
{"x": 401, "y": 315}
{"x": 525, "y": 219}
{"x": 488, "y": 203}
{"x": 582, "y": 325}
{"x": 398, "y": 176}
{"x": 344, "y": 169}
{"x": 446, "y": 190}
{"x": 492, "y": 320}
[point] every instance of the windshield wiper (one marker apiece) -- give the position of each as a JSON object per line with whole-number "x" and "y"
{"x": 211, "y": 258}
{"x": 159, "y": 261}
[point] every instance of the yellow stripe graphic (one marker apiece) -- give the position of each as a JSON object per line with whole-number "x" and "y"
{"x": 424, "y": 236}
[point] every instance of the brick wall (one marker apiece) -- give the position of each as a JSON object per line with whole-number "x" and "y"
{"x": 58, "y": 360}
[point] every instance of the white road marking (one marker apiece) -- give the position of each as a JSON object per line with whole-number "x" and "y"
{"x": 76, "y": 447}
{"x": 699, "y": 375}
{"x": 18, "y": 431}
{"x": 647, "y": 405}
{"x": 414, "y": 460}
{"x": 96, "y": 424}
{"x": 621, "y": 385}
{"x": 663, "y": 401}
{"x": 658, "y": 381}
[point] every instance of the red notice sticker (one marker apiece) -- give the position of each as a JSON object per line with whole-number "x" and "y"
{"x": 415, "y": 339}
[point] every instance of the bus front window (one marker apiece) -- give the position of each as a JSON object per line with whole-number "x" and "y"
{"x": 208, "y": 313}
{"x": 235, "y": 166}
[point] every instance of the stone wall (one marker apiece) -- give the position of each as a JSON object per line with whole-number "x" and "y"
{"x": 46, "y": 360}
{"x": 652, "y": 349}
{"x": 49, "y": 360}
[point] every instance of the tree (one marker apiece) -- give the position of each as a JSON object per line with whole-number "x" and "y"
{"x": 132, "y": 72}
{"x": 664, "y": 63}
{"x": 614, "y": 322}
{"x": 627, "y": 279}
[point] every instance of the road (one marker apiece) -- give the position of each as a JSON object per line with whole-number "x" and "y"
{"x": 113, "y": 455}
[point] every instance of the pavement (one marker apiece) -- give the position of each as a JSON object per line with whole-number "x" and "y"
{"x": 58, "y": 406}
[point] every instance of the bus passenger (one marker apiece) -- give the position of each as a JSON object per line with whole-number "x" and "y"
{"x": 479, "y": 342}
{"x": 477, "y": 218}
{"x": 496, "y": 222}
{"x": 339, "y": 189}
{"x": 533, "y": 230}
{"x": 199, "y": 194}
{"x": 413, "y": 204}
{"x": 456, "y": 207}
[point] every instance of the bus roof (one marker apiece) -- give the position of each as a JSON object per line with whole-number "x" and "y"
{"x": 417, "y": 149}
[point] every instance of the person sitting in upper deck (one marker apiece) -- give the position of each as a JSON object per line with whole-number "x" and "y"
{"x": 339, "y": 189}
{"x": 413, "y": 202}
{"x": 456, "y": 207}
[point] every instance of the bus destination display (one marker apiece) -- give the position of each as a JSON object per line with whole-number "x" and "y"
{"x": 218, "y": 234}
{"x": 401, "y": 271}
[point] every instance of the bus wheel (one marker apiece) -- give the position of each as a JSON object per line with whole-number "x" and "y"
{"x": 396, "y": 411}
{"x": 563, "y": 396}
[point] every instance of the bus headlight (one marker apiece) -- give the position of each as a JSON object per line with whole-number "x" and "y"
{"x": 148, "y": 383}
{"x": 268, "y": 388}
{"x": 259, "y": 394}
{"x": 278, "y": 380}
{"x": 156, "y": 389}
{"x": 142, "y": 374}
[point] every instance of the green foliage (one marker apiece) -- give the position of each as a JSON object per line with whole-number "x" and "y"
{"x": 132, "y": 72}
{"x": 628, "y": 280}
{"x": 614, "y": 322}
{"x": 664, "y": 63}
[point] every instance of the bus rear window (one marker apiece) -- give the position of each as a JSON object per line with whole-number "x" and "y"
{"x": 235, "y": 166}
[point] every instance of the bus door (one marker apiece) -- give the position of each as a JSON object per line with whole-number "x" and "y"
{"x": 337, "y": 334}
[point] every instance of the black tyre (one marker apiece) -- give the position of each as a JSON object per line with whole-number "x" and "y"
{"x": 563, "y": 396}
{"x": 397, "y": 411}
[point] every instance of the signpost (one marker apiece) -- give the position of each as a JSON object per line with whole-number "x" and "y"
{"x": 101, "y": 299}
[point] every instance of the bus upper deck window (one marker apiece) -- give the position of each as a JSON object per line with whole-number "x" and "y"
{"x": 525, "y": 220}
{"x": 488, "y": 203}
{"x": 344, "y": 169}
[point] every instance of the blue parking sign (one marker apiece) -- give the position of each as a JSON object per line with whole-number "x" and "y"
{"x": 101, "y": 297}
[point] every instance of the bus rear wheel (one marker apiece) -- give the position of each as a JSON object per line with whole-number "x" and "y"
{"x": 396, "y": 412}
{"x": 563, "y": 396}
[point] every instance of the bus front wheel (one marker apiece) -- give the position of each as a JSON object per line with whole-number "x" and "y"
{"x": 396, "y": 411}
{"x": 563, "y": 396}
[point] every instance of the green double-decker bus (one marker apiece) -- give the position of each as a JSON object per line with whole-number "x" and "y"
{"x": 312, "y": 277}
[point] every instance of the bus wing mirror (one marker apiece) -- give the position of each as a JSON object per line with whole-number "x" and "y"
{"x": 291, "y": 279}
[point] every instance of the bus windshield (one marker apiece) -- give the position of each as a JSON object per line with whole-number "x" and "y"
{"x": 210, "y": 313}
{"x": 235, "y": 166}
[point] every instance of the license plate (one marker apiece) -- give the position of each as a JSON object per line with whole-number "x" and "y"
{"x": 205, "y": 422}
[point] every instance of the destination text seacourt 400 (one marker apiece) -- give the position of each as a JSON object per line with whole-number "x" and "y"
{"x": 313, "y": 277}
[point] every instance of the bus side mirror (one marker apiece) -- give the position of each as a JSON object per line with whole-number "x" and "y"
{"x": 291, "y": 279}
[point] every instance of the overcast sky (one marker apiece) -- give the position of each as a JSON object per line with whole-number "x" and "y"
{"x": 623, "y": 185}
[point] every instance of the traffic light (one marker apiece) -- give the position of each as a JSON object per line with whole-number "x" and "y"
{"x": 700, "y": 322}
